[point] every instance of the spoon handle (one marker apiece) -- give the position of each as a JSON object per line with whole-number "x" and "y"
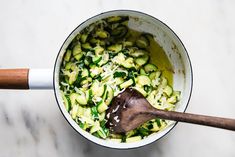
{"x": 218, "y": 122}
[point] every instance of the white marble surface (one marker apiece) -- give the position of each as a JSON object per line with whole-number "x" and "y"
{"x": 31, "y": 33}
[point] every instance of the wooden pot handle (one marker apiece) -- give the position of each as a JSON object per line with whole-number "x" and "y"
{"x": 14, "y": 78}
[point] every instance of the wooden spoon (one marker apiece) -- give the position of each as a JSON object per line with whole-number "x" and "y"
{"x": 130, "y": 109}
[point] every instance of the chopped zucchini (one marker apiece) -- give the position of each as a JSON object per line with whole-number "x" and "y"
{"x": 78, "y": 56}
{"x": 119, "y": 80}
{"x": 128, "y": 63}
{"x": 85, "y": 72}
{"x": 81, "y": 98}
{"x": 102, "y": 34}
{"x": 119, "y": 32}
{"x": 168, "y": 90}
{"x": 101, "y": 106}
{"x": 154, "y": 75}
{"x": 148, "y": 88}
{"x": 94, "y": 42}
{"x": 163, "y": 82}
{"x": 143, "y": 80}
{"x": 155, "y": 127}
{"x": 68, "y": 65}
{"x": 104, "y": 60}
{"x": 80, "y": 81}
{"x": 67, "y": 102}
{"x": 103, "y": 133}
{"x": 80, "y": 111}
{"x": 114, "y": 19}
{"x": 78, "y": 98}
{"x": 142, "y": 72}
{"x": 119, "y": 59}
{"x": 138, "y": 53}
{"x": 128, "y": 43}
{"x": 173, "y": 99}
{"x": 97, "y": 88}
{"x": 83, "y": 37}
{"x": 74, "y": 67}
{"x": 150, "y": 68}
{"x": 95, "y": 127}
{"x": 108, "y": 96}
{"x": 95, "y": 71}
{"x": 87, "y": 60}
{"x": 77, "y": 50}
{"x": 73, "y": 76}
{"x": 96, "y": 59}
{"x": 131, "y": 133}
{"x": 142, "y": 60}
{"x": 142, "y": 42}
{"x": 98, "y": 50}
{"x": 86, "y": 46}
{"x": 89, "y": 96}
{"x": 102, "y": 116}
{"x": 67, "y": 55}
{"x": 74, "y": 111}
{"x": 126, "y": 84}
{"x": 115, "y": 48}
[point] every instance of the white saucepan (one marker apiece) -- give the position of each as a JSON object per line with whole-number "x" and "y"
{"x": 165, "y": 37}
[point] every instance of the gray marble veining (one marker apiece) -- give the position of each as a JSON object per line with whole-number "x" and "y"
{"x": 31, "y": 33}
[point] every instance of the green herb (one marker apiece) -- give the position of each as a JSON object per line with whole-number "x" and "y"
{"x": 119, "y": 74}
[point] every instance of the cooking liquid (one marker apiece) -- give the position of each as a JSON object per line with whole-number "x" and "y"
{"x": 157, "y": 56}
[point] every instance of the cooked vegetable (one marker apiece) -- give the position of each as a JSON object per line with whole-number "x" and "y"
{"x": 142, "y": 42}
{"x": 108, "y": 96}
{"x": 114, "y": 19}
{"x": 86, "y": 46}
{"x": 102, "y": 34}
{"x": 101, "y": 106}
{"x": 77, "y": 49}
{"x": 101, "y": 62}
{"x": 84, "y": 37}
{"x": 115, "y": 48}
{"x": 138, "y": 52}
{"x": 96, "y": 59}
{"x": 143, "y": 80}
{"x": 98, "y": 50}
{"x": 77, "y": 52}
{"x": 140, "y": 61}
{"x": 67, "y": 55}
{"x": 119, "y": 32}
{"x": 150, "y": 68}
{"x": 67, "y": 102}
{"x": 126, "y": 84}
{"x": 97, "y": 88}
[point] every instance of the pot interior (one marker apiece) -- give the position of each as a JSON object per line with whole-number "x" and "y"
{"x": 174, "y": 50}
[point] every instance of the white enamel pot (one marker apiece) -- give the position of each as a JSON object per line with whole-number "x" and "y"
{"x": 49, "y": 79}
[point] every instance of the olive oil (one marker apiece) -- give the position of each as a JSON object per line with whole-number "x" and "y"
{"x": 157, "y": 55}
{"x": 159, "y": 58}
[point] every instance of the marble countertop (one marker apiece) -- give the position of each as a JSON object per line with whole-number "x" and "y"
{"x": 31, "y": 33}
